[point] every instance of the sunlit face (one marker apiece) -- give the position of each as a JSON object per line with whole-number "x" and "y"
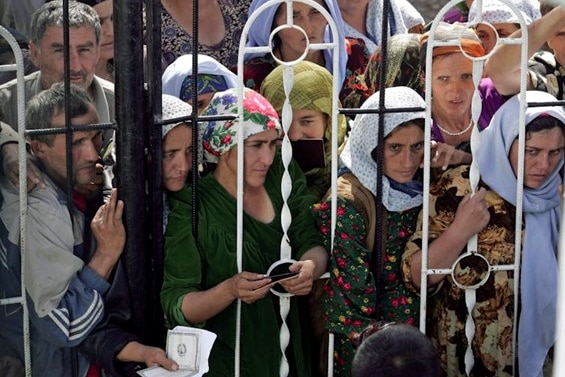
{"x": 488, "y": 36}
{"x": 542, "y": 155}
{"x": 307, "y": 124}
{"x": 557, "y": 45}
{"x": 85, "y": 150}
{"x": 48, "y": 56}
{"x": 177, "y": 157}
{"x": 452, "y": 85}
{"x": 293, "y": 41}
{"x": 105, "y": 13}
{"x": 258, "y": 157}
{"x": 403, "y": 152}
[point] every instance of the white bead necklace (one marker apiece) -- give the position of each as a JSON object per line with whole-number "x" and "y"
{"x": 455, "y": 133}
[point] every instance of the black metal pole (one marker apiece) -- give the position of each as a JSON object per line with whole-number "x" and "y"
{"x": 155, "y": 183}
{"x": 130, "y": 119}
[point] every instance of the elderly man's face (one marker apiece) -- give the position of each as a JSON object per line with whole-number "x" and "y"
{"x": 84, "y": 53}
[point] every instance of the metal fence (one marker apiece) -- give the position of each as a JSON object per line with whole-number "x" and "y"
{"x": 139, "y": 151}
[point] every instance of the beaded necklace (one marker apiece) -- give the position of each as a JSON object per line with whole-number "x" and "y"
{"x": 455, "y": 133}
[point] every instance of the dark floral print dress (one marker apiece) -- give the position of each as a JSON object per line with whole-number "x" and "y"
{"x": 175, "y": 41}
{"x": 351, "y": 303}
{"x": 494, "y": 309}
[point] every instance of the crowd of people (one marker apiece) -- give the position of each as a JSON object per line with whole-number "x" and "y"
{"x": 76, "y": 285}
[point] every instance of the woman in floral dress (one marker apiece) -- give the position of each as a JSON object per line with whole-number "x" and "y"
{"x": 455, "y": 216}
{"x": 220, "y": 25}
{"x": 352, "y": 302}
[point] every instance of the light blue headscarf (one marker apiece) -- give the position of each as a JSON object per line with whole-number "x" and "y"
{"x": 541, "y": 208}
{"x": 260, "y": 31}
{"x": 356, "y": 155}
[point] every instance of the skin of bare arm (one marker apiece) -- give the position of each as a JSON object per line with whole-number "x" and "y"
{"x": 250, "y": 287}
{"x": 312, "y": 265}
{"x": 503, "y": 67}
{"x": 200, "y": 306}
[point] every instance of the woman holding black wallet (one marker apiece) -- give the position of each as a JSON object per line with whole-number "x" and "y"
{"x": 202, "y": 284}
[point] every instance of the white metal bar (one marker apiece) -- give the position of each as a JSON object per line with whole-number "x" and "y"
{"x": 523, "y": 41}
{"x": 243, "y": 50}
{"x": 19, "y": 68}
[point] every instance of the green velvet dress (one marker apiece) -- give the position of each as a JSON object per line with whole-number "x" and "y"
{"x": 199, "y": 264}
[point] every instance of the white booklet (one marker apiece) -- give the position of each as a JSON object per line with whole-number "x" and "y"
{"x": 190, "y": 348}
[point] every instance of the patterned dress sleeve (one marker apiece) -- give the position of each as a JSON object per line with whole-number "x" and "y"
{"x": 351, "y": 298}
{"x": 445, "y": 195}
{"x": 357, "y": 59}
{"x": 546, "y": 73}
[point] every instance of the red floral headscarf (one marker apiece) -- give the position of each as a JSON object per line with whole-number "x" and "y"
{"x": 219, "y": 136}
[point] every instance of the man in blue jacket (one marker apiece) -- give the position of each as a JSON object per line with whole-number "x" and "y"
{"x": 76, "y": 294}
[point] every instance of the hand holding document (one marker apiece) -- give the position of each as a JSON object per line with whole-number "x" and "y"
{"x": 190, "y": 348}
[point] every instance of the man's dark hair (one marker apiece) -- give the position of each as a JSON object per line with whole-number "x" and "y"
{"x": 397, "y": 350}
{"x": 48, "y": 103}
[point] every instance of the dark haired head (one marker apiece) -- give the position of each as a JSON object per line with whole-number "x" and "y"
{"x": 544, "y": 122}
{"x": 48, "y": 103}
{"x": 396, "y": 351}
{"x": 420, "y": 122}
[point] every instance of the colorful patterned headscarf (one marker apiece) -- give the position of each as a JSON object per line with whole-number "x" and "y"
{"x": 219, "y": 136}
{"x": 206, "y": 84}
{"x": 403, "y": 64}
{"x": 357, "y": 154}
{"x": 403, "y": 69}
{"x": 174, "y": 77}
{"x": 542, "y": 209}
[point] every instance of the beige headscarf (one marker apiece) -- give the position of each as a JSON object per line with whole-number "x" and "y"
{"x": 312, "y": 90}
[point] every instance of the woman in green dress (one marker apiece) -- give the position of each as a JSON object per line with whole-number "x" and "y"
{"x": 202, "y": 283}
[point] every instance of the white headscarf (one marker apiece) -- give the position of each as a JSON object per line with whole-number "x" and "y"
{"x": 541, "y": 206}
{"x": 495, "y": 12}
{"x": 173, "y": 107}
{"x": 402, "y": 17}
{"x": 177, "y": 72}
{"x": 260, "y": 31}
{"x": 356, "y": 155}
